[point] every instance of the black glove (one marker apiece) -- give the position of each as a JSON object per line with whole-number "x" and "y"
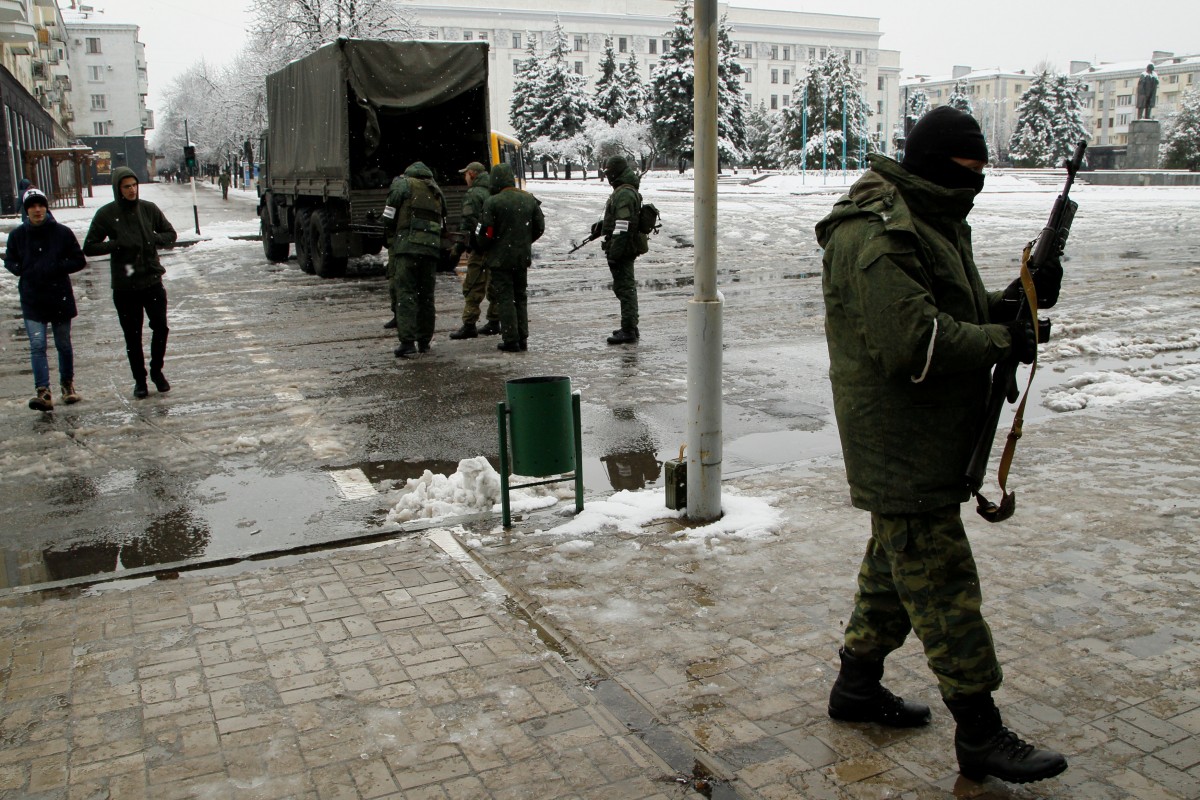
{"x": 1046, "y": 283}
{"x": 598, "y": 229}
{"x": 1024, "y": 340}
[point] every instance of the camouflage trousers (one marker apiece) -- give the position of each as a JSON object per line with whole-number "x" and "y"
{"x": 625, "y": 288}
{"x": 412, "y": 284}
{"x": 510, "y": 287}
{"x": 477, "y": 286}
{"x": 918, "y": 574}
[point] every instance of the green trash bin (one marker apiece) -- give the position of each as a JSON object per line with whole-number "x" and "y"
{"x": 541, "y": 418}
{"x": 541, "y": 425}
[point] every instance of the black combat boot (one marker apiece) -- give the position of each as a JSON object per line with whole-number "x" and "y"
{"x": 405, "y": 349}
{"x": 858, "y": 696}
{"x": 623, "y": 336}
{"x": 509, "y": 347}
{"x": 985, "y": 747}
{"x": 491, "y": 328}
{"x": 467, "y": 331}
{"x": 390, "y": 324}
{"x": 422, "y": 345}
{"x": 160, "y": 381}
{"x": 140, "y": 390}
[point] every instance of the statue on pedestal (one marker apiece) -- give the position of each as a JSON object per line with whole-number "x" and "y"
{"x": 1147, "y": 89}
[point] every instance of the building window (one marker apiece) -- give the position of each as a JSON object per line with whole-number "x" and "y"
{"x": 466, "y": 36}
{"x": 517, "y": 66}
{"x": 516, "y": 41}
{"x": 98, "y": 102}
{"x": 664, "y": 46}
{"x": 579, "y": 46}
{"x": 824, "y": 53}
{"x": 774, "y": 52}
{"x": 786, "y": 99}
{"x": 623, "y": 44}
{"x": 100, "y": 128}
{"x": 774, "y": 76}
{"x": 483, "y": 36}
{"x": 787, "y": 55}
{"x": 880, "y": 105}
{"x": 1124, "y": 99}
{"x": 787, "y": 76}
{"x": 578, "y": 67}
{"x": 749, "y": 99}
{"x": 812, "y": 54}
{"x": 858, "y": 56}
{"x": 880, "y": 83}
{"x": 749, "y": 76}
{"x": 1123, "y": 119}
{"x": 747, "y": 50}
{"x": 95, "y": 73}
{"x": 774, "y": 102}
{"x": 93, "y": 44}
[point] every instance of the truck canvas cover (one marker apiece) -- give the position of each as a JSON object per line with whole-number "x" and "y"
{"x": 314, "y": 93}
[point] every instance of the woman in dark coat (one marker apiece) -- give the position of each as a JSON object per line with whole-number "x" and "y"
{"x": 43, "y": 253}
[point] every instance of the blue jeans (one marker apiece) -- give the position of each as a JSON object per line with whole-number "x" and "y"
{"x": 37, "y": 351}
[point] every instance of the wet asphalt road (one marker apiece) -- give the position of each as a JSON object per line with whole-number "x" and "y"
{"x": 290, "y": 420}
{"x": 289, "y": 417}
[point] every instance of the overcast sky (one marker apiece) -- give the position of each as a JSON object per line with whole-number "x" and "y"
{"x": 931, "y": 35}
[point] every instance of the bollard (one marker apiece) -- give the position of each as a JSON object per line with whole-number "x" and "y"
{"x": 542, "y": 419}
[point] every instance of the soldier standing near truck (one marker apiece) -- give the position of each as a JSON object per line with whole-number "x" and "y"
{"x": 511, "y": 222}
{"x": 476, "y": 284}
{"x": 414, "y": 218}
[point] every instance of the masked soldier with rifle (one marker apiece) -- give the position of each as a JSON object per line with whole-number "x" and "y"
{"x": 913, "y": 336}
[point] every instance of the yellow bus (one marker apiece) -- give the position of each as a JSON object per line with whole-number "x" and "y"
{"x": 507, "y": 150}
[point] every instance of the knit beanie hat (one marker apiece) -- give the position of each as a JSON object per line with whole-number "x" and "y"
{"x": 32, "y": 196}
{"x": 940, "y": 135}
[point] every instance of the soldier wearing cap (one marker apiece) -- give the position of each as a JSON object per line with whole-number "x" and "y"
{"x": 623, "y": 243}
{"x": 476, "y": 284}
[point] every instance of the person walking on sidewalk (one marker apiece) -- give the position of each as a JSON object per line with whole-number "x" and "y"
{"x": 511, "y": 222}
{"x": 43, "y": 253}
{"x": 476, "y": 285}
{"x": 912, "y": 337}
{"x": 224, "y": 182}
{"x": 414, "y": 218}
{"x": 130, "y": 231}
{"x": 623, "y": 243}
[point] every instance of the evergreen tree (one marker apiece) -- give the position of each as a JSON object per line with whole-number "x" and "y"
{"x": 559, "y": 107}
{"x": 759, "y": 138}
{"x": 609, "y": 102}
{"x": 827, "y": 88}
{"x": 526, "y": 87}
{"x": 731, "y": 102}
{"x": 637, "y": 96}
{"x": 1049, "y": 122}
{"x": 959, "y": 99}
{"x": 918, "y": 106}
{"x": 672, "y": 87}
{"x": 1181, "y": 150}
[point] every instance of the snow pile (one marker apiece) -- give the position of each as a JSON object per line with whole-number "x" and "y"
{"x": 629, "y": 512}
{"x": 1113, "y": 388}
{"x": 473, "y": 488}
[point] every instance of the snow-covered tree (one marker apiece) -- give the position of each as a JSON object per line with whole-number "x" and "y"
{"x": 672, "y": 87}
{"x": 731, "y": 102}
{"x": 1181, "y": 148}
{"x": 558, "y": 106}
{"x": 917, "y": 106}
{"x": 960, "y": 99}
{"x": 637, "y": 106}
{"x": 628, "y": 138}
{"x": 1049, "y": 122}
{"x": 828, "y": 107}
{"x": 759, "y": 132}
{"x": 297, "y": 27}
{"x": 527, "y": 86}
{"x": 609, "y": 102}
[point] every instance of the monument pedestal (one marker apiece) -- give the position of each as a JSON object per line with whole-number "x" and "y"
{"x": 1144, "y": 138}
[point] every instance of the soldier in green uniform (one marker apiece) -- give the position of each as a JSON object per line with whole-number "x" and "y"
{"x": 414, "y": 218}
{"x": 476, "y": 285}
{"x": 912, "y": 336}
{"x": 623, "y": 243}
{"x": 511, "y": 222}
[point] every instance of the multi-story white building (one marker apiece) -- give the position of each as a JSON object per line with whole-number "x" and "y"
{"x": 109, "y": 84}
{"x": 1110, "y": 92}
{"x": 994, "y": 95}
{"x": 774, "y": 46}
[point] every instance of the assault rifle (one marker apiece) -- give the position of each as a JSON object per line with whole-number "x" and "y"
{"x": 1047, "y": 248}
{"x": 596, "y": 233}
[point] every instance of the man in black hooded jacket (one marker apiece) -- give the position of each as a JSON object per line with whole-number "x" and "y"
{"x": 130, "y": 231}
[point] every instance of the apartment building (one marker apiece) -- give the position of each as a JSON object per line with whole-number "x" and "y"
{"x": 773, "y": 46}
{"x": 994, "y": 94}
{"x": 109, "y": 84}
{"x": 1110, "y": 92}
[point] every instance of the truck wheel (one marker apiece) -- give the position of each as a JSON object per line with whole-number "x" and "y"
{"x": 273, "y": 249}
{"x": 304, "y": 240}
{"x": 325, "y": 263}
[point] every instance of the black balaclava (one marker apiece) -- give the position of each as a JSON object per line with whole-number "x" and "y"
{"x": 942, "y": 134}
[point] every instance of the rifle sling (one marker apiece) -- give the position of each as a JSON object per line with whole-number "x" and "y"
{"x": 1008, "y": 501}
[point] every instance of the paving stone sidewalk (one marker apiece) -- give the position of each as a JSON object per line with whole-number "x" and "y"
{"x": 658, "y": 665}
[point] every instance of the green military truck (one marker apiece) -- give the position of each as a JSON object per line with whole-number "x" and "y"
{"x": 344, "y": 121}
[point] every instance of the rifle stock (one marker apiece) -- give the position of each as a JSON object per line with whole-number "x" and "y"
{"x": 1049, "y": 245}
